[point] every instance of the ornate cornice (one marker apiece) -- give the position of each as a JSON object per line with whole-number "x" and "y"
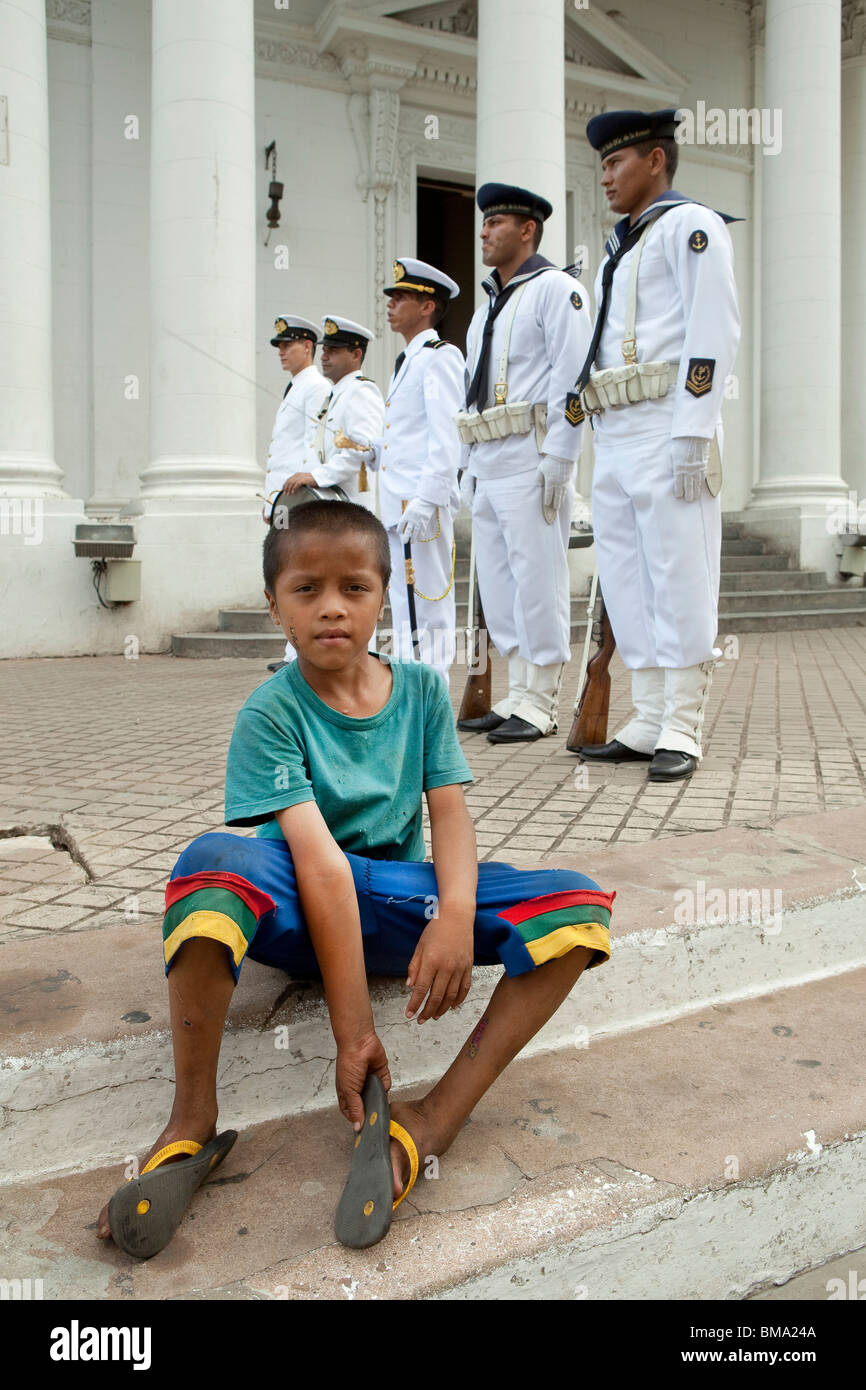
{"x": 68, "y": 20}
{"x": 853, "y": 28}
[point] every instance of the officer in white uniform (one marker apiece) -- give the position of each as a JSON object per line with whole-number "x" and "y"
{"x": 655, "y": 496}
{"x": 418, "y": 457}
{"x": 522, "y": 431}
{"x": 356, "y": 412}
{"x": 298, "y": 417}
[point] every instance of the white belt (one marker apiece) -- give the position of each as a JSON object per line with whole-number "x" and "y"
{"x": 615, "y": 387}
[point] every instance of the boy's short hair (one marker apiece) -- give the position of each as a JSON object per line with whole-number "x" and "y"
{"x": 322, "y": 518}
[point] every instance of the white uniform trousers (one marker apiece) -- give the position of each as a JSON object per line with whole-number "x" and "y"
{"x": 669, "y": 709}
{"x": 435, "y": 610}
{"x": 524, "y": 583}
{"x": 658, "y": 556}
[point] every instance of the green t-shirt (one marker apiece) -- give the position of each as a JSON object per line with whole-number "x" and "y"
{"x": 366, "y": 776}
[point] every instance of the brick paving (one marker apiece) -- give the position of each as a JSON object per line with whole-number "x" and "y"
{"x": 110, "y": 767}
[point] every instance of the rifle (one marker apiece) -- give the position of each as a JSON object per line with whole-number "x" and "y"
{"x": 591, "y": 710}
{"x": 476, "y": 695}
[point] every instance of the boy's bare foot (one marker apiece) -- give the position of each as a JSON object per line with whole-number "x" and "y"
{"x": 430, "y": 1137}
{"x": 201, "y": 1129}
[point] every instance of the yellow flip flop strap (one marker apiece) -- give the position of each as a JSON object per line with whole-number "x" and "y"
{"x": 180, "y": 1146}
{"x": 403, "y": 1137}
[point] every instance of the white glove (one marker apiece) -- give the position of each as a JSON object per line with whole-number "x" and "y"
{"x": 418, "y": 522}
{"x": 373, "y": 457}
{"x": 554, "y": 475}
{"x": 467, "y": 489}
{"x": 690, "y": 457}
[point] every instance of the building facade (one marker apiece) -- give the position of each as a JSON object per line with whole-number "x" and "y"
{"x": 139, "y": 281}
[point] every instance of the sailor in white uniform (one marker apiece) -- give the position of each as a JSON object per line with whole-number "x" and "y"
{"x": 298, "y": 417}
{"x": 418, "y": 457}
{"x": 355, "y": 413}
{"x": 522, "y": 431}
{"x": 664, "y": 342}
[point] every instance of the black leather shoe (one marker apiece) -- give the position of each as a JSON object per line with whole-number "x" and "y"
{"x": 483, "y": 725}
{"x": 613, "y": 752}
{"x": 278, "y": 665}
{"x": 515, "y": 730}
{"x": 668, "y": 765}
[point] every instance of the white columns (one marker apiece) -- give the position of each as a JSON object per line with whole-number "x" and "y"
{"x": 202, "y": 226}
{"x": 854, "y": 273}
{"x": 521, "y": 104}
{"x": 800, "y": 272}
{"x": 27, "y": 466}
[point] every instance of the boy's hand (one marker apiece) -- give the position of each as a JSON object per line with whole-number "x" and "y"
{"x": 354, "y": 1061}
{"x": 442, "y": 965}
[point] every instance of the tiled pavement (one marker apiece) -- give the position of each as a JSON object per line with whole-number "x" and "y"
{"x": 122, "y": 762}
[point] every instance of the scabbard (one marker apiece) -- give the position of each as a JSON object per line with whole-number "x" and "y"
{"x": 410, "y": 593}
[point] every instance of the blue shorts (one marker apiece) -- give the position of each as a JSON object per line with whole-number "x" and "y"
{"x": 243, "y": 892}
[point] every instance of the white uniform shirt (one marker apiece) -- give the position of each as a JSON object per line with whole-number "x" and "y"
{"x": 356, "y": 409}
{"x": 550, "y": 338}
{"x": 419, "y": 453}
{"x": 686, "y": 312}
{"x": 295, "y": 427}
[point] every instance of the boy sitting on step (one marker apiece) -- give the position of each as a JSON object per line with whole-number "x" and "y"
{"x": 329, "y": 760}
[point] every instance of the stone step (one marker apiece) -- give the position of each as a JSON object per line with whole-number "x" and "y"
{"x": 759, "y": 581}
{"x": 731, "y": 530}
{"x": 742, "y": 546}
{"x": 679, "y": 1161}
{"x": 791, "y": 601}
{"x": 267, "y": 642}
{"x": 733, "y": 563}
{"x": 87, "y": 1056}
{"x": 789, "y": 621}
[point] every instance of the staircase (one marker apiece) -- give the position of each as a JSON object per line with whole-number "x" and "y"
{"x": 760, "y": 592}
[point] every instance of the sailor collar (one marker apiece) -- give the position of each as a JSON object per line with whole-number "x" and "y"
{"x": 663, "y": 203}
{"x": 527, "y": 271}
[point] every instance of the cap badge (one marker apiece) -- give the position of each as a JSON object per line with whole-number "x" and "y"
{"x": 399, "y": 272}
{"x": 280, "y": 326}
{"x": 330, "y": 327}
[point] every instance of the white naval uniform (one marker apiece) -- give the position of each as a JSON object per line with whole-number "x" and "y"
{"x": 658, "y": 555}
{"x": 418, "y": 455}
{"x": 295, "y": 428}
{"x": 294, "y": 434}
{"x": 523, "y": 575}
{"x": 356, "y": 409}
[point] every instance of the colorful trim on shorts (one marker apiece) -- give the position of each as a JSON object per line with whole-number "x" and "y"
{"x": 555, "y": 923}
{"x": 224, "y": 907}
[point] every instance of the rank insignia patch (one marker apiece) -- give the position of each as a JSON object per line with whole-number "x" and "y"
{"x": 700, "y": 375}
{"x": 574, "y": 412}
{"x": 576, "y": 300}
{"x": 699, "y": 241}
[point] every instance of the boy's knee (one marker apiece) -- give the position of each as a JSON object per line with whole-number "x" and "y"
{"x": 215, "y": 853}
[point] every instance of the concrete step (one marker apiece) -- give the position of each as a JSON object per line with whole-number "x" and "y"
{"x": 704, "y": 918}
{"x": 761, "y": 580}
{"x": 788, "y": 620}
{"x": 793, "y": 601}
{"x": 243, "y": 644}
{"x": 743, "y": 546}
{"x": 733, "y": 563}
{"x": 698, "y": 1159}
{"x": 731, "y": 530}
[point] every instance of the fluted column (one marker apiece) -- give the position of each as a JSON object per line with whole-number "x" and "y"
{"x": 854, "y": 269}
{"x": 202, "y": 238}
{"x": 521, "y": 104}
{"x": 27, "y": 466}
{"x": 801, "y": 264}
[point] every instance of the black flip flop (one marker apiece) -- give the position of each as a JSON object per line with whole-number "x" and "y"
{"x": 366, "y": 1207}
{"x": 145, "y": 1213}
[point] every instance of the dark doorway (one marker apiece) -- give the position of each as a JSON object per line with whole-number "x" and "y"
{"x": 446, "y": 239}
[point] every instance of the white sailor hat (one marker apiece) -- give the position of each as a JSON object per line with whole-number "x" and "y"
{"x": 288, "y": 327}
{"x": 422, "y": 278}
{"x": 344, "y": 333}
